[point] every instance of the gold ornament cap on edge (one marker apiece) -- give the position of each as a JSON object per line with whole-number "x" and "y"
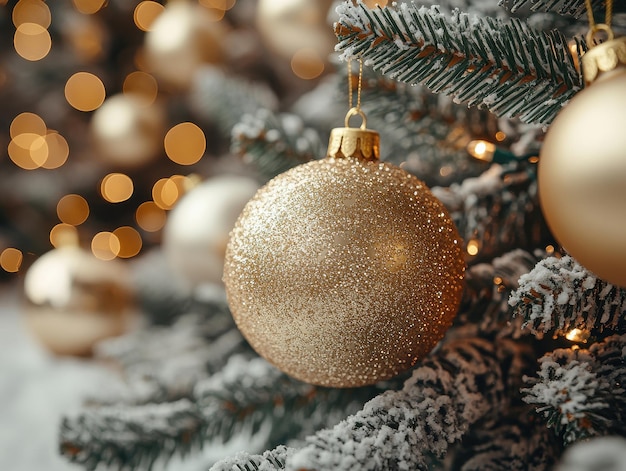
{"x": 603, "y": 58}
{"x": 359, "y": 142}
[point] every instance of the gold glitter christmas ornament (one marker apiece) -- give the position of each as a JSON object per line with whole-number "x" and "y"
{"x": 582, "y": 167}
{"x": 344, "y": 271}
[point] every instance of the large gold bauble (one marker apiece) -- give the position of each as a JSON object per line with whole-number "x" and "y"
{"x": 343, "y": 272}
{"x": 582, "y": 177}
{"x": 73, "y": 300}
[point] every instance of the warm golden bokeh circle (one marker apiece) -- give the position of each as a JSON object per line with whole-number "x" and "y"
{"x": 145, "y": 13}
{"x": 31, "y": 11}
{"x": 63, "y": 235}
{"x": 27, "y": 122}
{"x": 85, "y": 91}
{"x": 32, "y": 41}
{"x": 185, "y": 143}
{"x": 307, "y": 64}
{"x": 150, "y": 217}
{"x": 116, "y": 187}
{"x": 105, "y": 245}
{"x": 73, "y": 209}
{"x": 89, "y": 7}
{"x": 129, "y": 240}
{"x": 11, "y": 259}
{"x": 141, "y": 84}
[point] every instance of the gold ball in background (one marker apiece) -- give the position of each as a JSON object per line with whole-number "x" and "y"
{"x": 73, "y": 300}
{"x": 197, "y": 228}
{"x": 582, "y": 177}
{"x": 183, "y": 37}
{"x": 128, "y": 130}
{"x": 344, "y": 272}
{"x": 289, "y": 26}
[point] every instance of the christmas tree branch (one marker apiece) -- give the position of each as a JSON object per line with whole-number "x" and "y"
{"x": 497, "y": 211}
{"x": 437, "y": 405}
{"x": 473, "y": 59}
{"x": 580, "y": 393}
{"x": 131, "y": 437}
{"x": 271, "y": 460}
{"x": 575, "y": 8}
{"x": 273, "y": 143}
{"x": 559, "y": 295}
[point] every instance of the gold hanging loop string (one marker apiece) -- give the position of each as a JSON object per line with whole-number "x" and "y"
{"x": 355, "y": 110}
{"x": 595, "y": 28}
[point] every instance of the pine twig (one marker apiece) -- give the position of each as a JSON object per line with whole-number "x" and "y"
{"x": 274, "y": 143}
{"x": 271, "y": 460}
{"x": 471, "y": 58}
{"x": 575, "y": 8}
{"x": 559, "y": 295}
{"x": 437, "y": 405}
{"x": 580, "y": 393}
{"x": 497, "y": 211}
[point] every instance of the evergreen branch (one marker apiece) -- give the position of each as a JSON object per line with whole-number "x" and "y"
{"x": 251, "y": 394}
{"x": 575, "y": 8}
{"x": 437, "y": 405}
{"x": 578, "y": 393}
{"x": 131, "y": 437}
{"x": 271, "y": 460}
{"x": 275, "y": 143}
{"x": 221, "y": 100}
{"x": 497, "y": 211}
{"x": 473, "y": 59}
{"x": 559, "y": 295}
{"x": 514, "y": 442}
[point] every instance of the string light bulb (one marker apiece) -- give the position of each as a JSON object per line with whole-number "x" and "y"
{"x": 577, "y": 335}
{"x": 489, "y": 152}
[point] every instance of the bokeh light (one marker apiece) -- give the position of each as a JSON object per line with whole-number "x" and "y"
{"x": 31, "y": 11}
{"x": 150, "y": 217}
{"x": 145, "y": 13}
{"x": 141, "y": 84}
{"x": 27, "y": 122}
{"x": 165, "y": 193}
{"x": 28, "y": 150}
{"x": 84, "y": 91}
{"x": 185, "y": 143}
{"x": 58, "y": 150}
{"x": 116, "y": 187}
{"x": 223, "y": 5}
{"x": 11, "y": 259}
{"x": 307, "y": 64}
{"x": 89, "y": 7}
{"x": 63, "y": 235}
{"x": 73, "y": 209}
{"x": 32, "y": 41}
{"x": 105, "y": 245}
{"x": 473, "y": 247}
{"x": 129, "y": 240}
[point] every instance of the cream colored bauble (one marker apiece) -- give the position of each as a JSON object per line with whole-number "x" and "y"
{"x": 289, "y": 26}
{"x": 196, "y": 232}
{"x": 582, "y": 170}
{"x": 344, "y": 271}
{"x": 73, "y": 300}
{"x": 182, "y": 38}
{"x": 128, "y": 130}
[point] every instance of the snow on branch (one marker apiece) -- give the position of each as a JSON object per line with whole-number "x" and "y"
{"x": 271, "y": 460}
{"x": 559, "y": 295}
{"x": 508, "y": 67}
{"x": 404, "y": 429}
{"x": 575, "y": 8}
{"x": 580, "y": 393}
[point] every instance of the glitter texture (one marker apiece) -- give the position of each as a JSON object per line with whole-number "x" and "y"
{"x": 343, "y": 272}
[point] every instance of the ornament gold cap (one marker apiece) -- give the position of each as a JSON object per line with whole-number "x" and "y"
{"x": 604, "y": 57}
{"x": 359, "y": 142}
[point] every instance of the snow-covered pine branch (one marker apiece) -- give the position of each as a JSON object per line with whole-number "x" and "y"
{"x": 471, "y": 58}
{"x": 273, "y": 143}
{"x": 559, "y": 295}
{"x": 579, "y": 392}
{"x": 575, "y": 8}
{"x": 271, "y": 460}
{"x": 435, "y": 408}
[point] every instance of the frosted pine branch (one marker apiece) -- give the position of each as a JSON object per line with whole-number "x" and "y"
{"x": 131, "y": 437}
{"x": 559, "y": 295}
{"x": 575, "y": 8}
{"x": 580, "y": 393}
{"x": 498, "y": 210}
{"x": 273, "y": 143}
{"x": 506, "y": 67}
{"x": 271, "y": 460}
{"x": 436, "y": 406}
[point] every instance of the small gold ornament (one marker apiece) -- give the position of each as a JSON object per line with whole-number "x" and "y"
{"x": 582, "y": 167}
{"x": 197, "y": 228}
{"x": 73, "y": 300}
{"x": 344, "y": 271}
